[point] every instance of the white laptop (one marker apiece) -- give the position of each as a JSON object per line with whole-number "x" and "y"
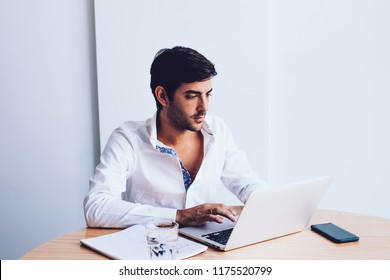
{"x": 267, "y": 214}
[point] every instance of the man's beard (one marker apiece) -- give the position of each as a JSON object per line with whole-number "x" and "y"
{"x": 180, "y": 121}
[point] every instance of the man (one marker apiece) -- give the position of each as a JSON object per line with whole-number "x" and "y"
{"x": 170, "y": 166}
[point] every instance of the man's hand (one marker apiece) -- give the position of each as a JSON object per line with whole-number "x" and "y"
{"x": 208, "y": 212}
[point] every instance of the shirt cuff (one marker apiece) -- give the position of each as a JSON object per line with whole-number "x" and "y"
{"x": 165, "y": 214}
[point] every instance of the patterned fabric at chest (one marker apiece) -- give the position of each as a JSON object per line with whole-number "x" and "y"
{"x": 186, "y": 175}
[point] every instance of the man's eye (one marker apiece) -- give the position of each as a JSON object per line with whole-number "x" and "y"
{"x": 192, "y": 96}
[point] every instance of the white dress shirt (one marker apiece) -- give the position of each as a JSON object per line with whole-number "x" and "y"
{"x": 135, "y": 182}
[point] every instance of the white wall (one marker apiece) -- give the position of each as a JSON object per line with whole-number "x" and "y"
{"x": 301, "y": 83}
{"x": 329, "y": 94}
{"x": 48, "y": 119}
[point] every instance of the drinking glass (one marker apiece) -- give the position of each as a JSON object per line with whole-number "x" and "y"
{"x": 162, "y": 238}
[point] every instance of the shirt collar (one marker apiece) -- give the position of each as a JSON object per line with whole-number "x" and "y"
{"x": 152, "y": 127}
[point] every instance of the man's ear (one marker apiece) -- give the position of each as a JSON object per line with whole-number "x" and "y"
{"x": 161, "y": 95}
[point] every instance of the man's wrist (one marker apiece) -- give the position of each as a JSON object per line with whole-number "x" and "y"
{"x": 182, "y": 217}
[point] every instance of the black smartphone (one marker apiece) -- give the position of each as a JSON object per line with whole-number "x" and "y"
{"x": 334, "y": 233}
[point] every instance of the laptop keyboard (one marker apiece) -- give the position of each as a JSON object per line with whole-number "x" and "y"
{"x": 219, "y": 236}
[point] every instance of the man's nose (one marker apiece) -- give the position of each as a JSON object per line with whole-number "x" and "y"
{"x": 203, "y": 104}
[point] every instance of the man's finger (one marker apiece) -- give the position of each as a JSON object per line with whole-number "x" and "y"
{"x": 222, "y": 210}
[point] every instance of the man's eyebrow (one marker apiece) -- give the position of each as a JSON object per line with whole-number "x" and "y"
{"x": 190, "y": 91}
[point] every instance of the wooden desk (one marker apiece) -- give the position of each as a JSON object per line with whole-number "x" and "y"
{"x": 374, "y": 233}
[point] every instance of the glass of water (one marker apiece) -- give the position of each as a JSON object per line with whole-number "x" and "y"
{"x": 162, "y": 238}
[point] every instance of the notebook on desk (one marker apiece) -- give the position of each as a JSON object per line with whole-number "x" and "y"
{"x": 267, "y": 214}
